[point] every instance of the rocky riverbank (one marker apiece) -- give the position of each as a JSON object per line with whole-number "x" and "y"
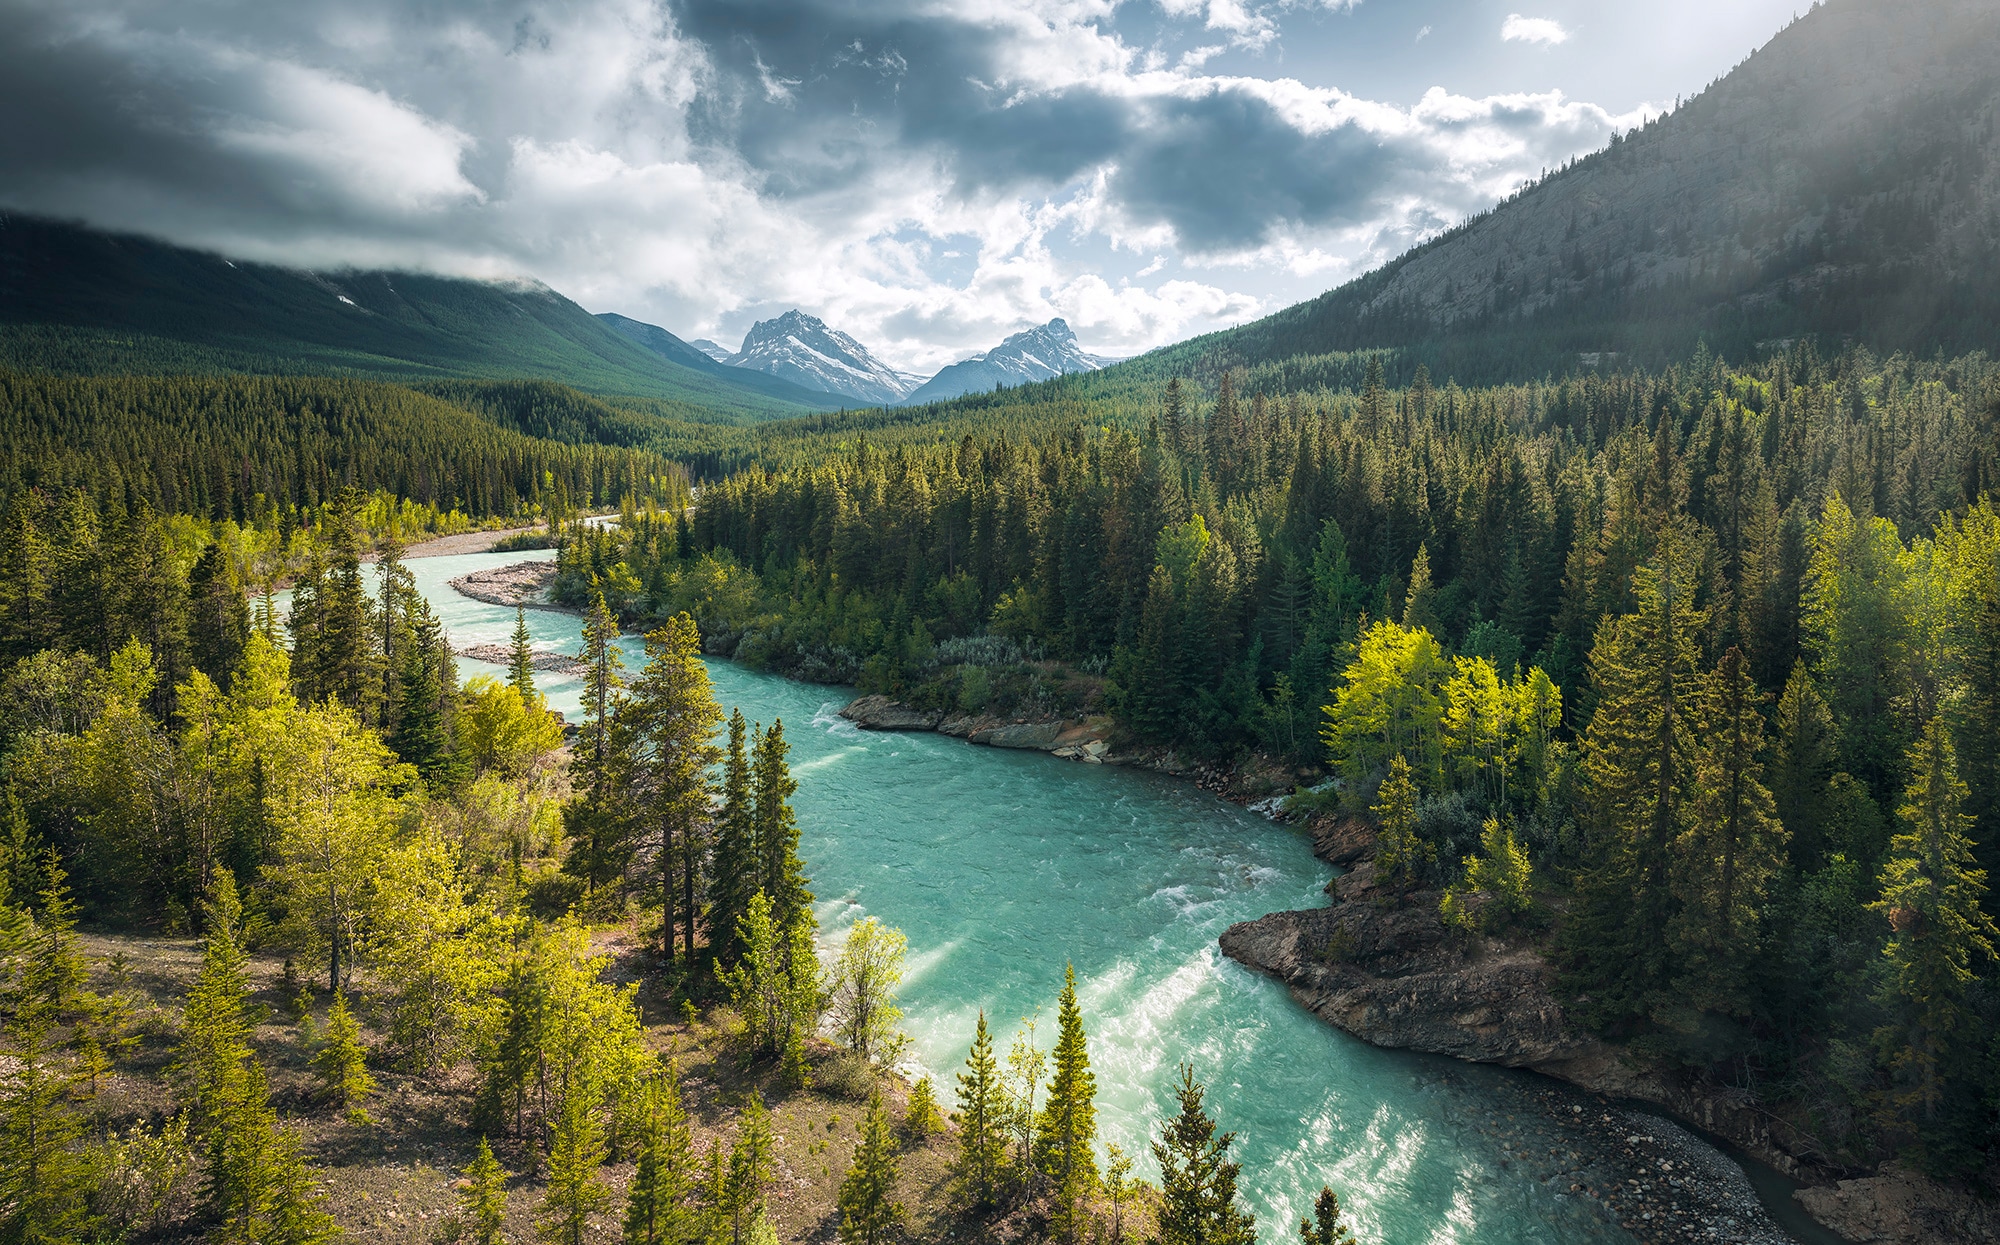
{"x": 500, "y": 655}
{"x": 524, "y": 584}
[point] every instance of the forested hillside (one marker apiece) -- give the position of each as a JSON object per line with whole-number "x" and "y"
{"x": 1843, "y": 181}
{"x": 1710, "y": 651}
{"x": 247, "y": 448}
{"x": 79, "y": 301}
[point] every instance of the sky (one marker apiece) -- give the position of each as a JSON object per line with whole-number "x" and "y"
{"x": 927, "y": 175}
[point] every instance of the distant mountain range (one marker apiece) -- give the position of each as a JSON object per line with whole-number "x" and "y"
{"x": 803, "y": 354}
{"x": 1843, "y": 182}
{"x": 80, "y": 300}
{"x": 1036, "y": 354}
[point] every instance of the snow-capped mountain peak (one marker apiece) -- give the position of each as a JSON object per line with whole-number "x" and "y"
{"x": 1033, "y": 354}
{"x": 804, "y": 350}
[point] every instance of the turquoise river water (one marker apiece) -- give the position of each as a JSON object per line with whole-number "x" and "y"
{"x": 1001, "y": 866}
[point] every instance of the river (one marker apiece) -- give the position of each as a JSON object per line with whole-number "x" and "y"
{"x": 1001, "y": 867}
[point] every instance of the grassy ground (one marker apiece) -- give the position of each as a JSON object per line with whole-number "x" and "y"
{"x": 390, "y": 1179}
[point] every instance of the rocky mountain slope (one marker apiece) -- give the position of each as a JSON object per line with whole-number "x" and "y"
{"x": 1843, "y": 181}
{"x": 692, "y": 355}
{"x": 1034, "y": 354}
{"x": 804, "y": 350}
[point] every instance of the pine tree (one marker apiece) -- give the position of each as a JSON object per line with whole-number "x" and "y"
{"x": 1733, "y": 846}
{"x": 338, "y": 661}
{"x": 671, "y": 718}
{"x": 45, "y": 1177}
{"x": 215, "y": 1029}
{"x": 742, "y": 1183}
{"x": 981, "y": 1167}
{"x": 482, "y": 1203}
{"x": 1802, "y": 767}
{"x": 1979, "y": 709}
{"x": 1500, "y": 873}
{"x": 781, "y": 873}
{"x": 341, "y": 1064}
{"x": 576, "y": 1194}
{"x": 1420, "y": 602}
{"x": 1067, "y": 1130}
{"x": 657, "y": 1210}
{"x": 868, "y": 1209}
{"x": 218, "y": 615}
{"x": 1119, "y": 1186}
{"x": 1930, "y": 894}
{"x": 1325, "y": 1227}
{"x": 521, "y": 658}
{"x": 1639, "y": 761}
{"x": 735, "y": 875}
{"x": 422, "y": 736}
{"x": 1401, "y": 855}
{"x": 1197, "y": 1181}
{"x": 922, "y": 1120}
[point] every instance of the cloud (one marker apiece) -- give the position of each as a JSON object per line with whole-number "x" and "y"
{"x": 929, "y": 175}
{"x": 1543, "y": 30}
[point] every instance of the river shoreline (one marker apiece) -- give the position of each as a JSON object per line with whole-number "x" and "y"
{"x": 1618, "y": 1174}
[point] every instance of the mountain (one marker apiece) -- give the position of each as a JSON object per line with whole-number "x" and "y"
{"x": 687, "y": 354}
{"x": 803, "y": 350}
{"x": 79, "y": 300}
{"x": 714, "y": 350}
{"x": 1843, "y": 182}
{"x": 1035, "y": 354}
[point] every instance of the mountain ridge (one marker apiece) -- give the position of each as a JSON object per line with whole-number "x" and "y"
{"x": 805, "y": 350}
{"x": 79, "y": 300}
{"x": 1843, "y": 181}
{"x": 1037, "y": 353}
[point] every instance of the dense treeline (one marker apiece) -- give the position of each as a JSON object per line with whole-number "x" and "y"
{"x": 245, "y": 447}
{"x": 422, "y": 850}
{"x": 1708, "y": 652}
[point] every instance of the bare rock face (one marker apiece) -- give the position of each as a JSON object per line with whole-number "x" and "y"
{"x": 1902, "y": 1207}
{"x": 1073, "y": 740}
{"x": 879, "y": 713}
{"x": 1393, "y": 975}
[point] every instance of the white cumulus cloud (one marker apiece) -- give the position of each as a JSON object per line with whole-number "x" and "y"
{"x": 1543, "y": 30}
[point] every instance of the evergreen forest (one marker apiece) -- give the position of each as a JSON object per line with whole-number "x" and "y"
{"x": 1690, "y": 678}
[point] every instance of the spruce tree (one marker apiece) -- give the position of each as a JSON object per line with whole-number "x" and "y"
{"x": 671, "y": 717}
{"x": 576, "y": 1194}
{"x": 218, "y": 615}
{"x": 869, "y": 1211}
{"x": 422, "y": 735}
{"x": 341, "y": 1063}
{"x": 1325, "y": 1227}
{"x": 981, "y": 1167}
{"x": 922, "y": 1120}
{"x": 735, "y": 870}
{"x": 743, "y": 1182}
{"x": 1197, "y": 1181}
{"x": 1420, "y": 601}
{"x": 781, "y": 874}
{"x": 1802, "y": 767}
{"x": 1732, "y": 848}
{"x": 482, "y": 1203}
{"x": 521, "y": 658}
{"x": 1066, "y": 1133}
{"x": 1639, "y": 763}
{"x": 657, "y": 1210}
{"x": 45, "y": 1177}
{"x": 1930, "y": 893}
{"x": 1401, "y": 855}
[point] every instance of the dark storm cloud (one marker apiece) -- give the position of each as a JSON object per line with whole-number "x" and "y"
{"x": 972, "y": 163}
{"x": 818, "y": 95}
